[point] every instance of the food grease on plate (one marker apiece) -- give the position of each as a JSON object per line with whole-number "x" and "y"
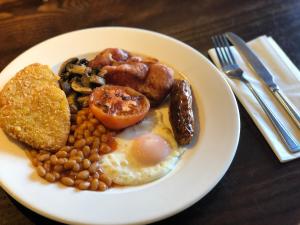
{"x": 120, "y": 125}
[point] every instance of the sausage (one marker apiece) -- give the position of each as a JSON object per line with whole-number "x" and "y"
{"x": 181, "y": 112}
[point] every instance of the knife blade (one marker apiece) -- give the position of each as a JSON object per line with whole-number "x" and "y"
{"x": 263, "y": 72}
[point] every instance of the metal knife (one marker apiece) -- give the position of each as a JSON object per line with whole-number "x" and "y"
{"x": 263, "y": 72}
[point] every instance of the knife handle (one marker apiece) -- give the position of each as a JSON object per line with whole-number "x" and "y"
{"x": 292, "y": 145}
{"x": 287, "y": 106}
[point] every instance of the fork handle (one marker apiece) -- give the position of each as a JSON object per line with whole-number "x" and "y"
{"x": 289, "y": 141}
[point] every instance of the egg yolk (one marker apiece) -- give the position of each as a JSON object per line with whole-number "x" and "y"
{"x": 150, "y": 149}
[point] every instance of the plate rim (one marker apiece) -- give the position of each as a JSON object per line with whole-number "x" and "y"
{"x": 226, "y": 166}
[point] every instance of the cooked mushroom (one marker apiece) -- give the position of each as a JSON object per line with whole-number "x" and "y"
{"x": 65, "y": 86}
{"x": 83, "y": 101}
{"x": 85, "y": 80}
{"x": 76, "y": 86}
{"x": 97, "y": 80}
{"x": 63, "y": 66}
{"x": 78, "y": 69}
{"x": 72, "y": 102}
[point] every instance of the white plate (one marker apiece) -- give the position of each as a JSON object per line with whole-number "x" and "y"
{"x": 198, "y": 171}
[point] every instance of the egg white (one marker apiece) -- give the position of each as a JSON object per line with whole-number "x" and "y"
{"x": 123, "y": 169}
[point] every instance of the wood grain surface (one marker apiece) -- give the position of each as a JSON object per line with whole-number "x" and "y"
{"x": 257, "y": 189}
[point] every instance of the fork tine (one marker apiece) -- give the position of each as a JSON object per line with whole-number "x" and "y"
{"x": 225, "y": 49}
{"x": 218, "y": 50}
{"x": 227, "y": 45}
{"x": 223, "y": 52}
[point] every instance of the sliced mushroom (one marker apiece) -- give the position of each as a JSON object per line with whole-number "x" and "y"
{"x": 63, "y": 66}
{"x": 83, "y": 101}
{"x": 85, "y": 80}
{"x": 76, "y": 86}
{"x": 72, "y": 103}
{"x": 65, "y": 86}
{"x": 78, "y": 69}
{"x": 97, "y": 80}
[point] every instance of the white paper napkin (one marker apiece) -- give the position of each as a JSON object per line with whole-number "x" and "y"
{"x": 286, "y": 76}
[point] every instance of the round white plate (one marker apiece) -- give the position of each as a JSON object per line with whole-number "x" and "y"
{"x": 198, "y": 171}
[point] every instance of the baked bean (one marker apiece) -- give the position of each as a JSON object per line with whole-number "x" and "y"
{"x": 41, "y": 171}
{"x": 58, "y": 168}
{"x": 96, "y": 143}
{"x": 43, "y": 157}
{"x": 94, "y": 184}
{"x": 90, "y": 115}
{"x": 33, "y": 153}
{"x": 70, "y": 164}
{"x": 102, "y": 186}
{"x": 94, "y": 157}
{"x": 84, "y": 185}
{"x": 79, "y": 130}
{"x": 86, "y": 151}
{"x": 91, "y": 127}
{"x": 66, "y": 148}
{"x": 104, "y": 138}
{"x": 96, "y": 175}
{"x": 83, "y": 126}
{"x": 53, "y": 159}
{"x": 77, "y": 182}
{"x": 101, "y": 128}
{"x": 86, "y": 133}
{"x": 67, "y": 181}
{"x": 79, "y": 137}
{"x": 80, "y": 154}
{"x": 35, "y": 162}
{"x": 83, "y": 175}
{"x": 94, "y": 150}
{"x": 62, "y": 161}
{"x": 72, "y": 174}
{"x": 50, "y": 177}
{"x": 77, "y": 158}
{"x": 107, "y": 180}
{"x": 104, "y": 148}
{"x": 73, "y": 152}
{"x": 80, "y": 143}
{"x": 79, "y": 120}
{"x": 57, "y": 175}
{"x": 89, "y": 140}
{"x": 94, "y": 121}
{"x": 44, "y": 152}
{"x": 97, "y": 133}
{"x": 47, "y": 166}
{"x": 94, "y": 167}
{"x": 61, "y": 154}
{"x": 82, "y": 112}
{"x": 83, "y": 117}
{"x": 76, "y": 167}
{"x": 71, "y": 139}
{"x": 86, "y": 164}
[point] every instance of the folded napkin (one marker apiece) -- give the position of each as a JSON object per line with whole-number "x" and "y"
{"x": 286, "y": 76}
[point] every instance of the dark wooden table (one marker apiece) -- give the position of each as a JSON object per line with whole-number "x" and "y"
{"x": 257, "y": 189}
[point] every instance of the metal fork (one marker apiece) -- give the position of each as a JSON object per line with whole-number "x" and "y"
{"x": 231, "y": 69}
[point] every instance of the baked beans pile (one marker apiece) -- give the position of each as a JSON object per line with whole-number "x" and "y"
{"x": 77, "y": 163}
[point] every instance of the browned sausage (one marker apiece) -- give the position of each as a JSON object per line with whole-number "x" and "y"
{"x": 181, "y": 112}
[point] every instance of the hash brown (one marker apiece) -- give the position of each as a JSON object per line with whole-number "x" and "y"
{"x": 34, "y": 110}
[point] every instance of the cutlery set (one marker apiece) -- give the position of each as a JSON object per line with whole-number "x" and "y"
{"x": 232, "y": 70}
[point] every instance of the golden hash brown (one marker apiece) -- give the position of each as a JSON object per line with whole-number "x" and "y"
{"x": 34, "y": 110}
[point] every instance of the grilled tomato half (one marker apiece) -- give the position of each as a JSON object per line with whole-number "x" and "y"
{"x": 118, "y": 107}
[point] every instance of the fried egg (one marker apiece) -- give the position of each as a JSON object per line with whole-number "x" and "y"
{"x": 145, "y": 152}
